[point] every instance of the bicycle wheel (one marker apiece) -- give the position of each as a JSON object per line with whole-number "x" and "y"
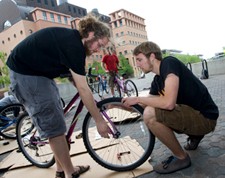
{"x": 89, "y": 82}
{"x": 117, "y": 91}
{"x": 36, "y": 150}
{"x": 100, "y": 89}
{"x": 130, "y": 88}
{"x": 132, "y": 144}
{"x": 63, "y": 102}
{"x": 9, "y": 116}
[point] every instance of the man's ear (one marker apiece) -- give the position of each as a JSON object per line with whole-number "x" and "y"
{"x": 152, "y": 55}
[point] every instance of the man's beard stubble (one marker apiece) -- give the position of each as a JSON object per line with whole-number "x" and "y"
{"x": 87, "y": 45}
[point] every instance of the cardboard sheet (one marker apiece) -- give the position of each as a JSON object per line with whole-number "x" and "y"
{"x": 84, "y": 159}
{"x": 11, "y": 145}
{"x": 23, "y": 168}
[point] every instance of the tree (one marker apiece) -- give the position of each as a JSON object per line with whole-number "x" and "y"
{"x": 185, "y": 58}
{"x": 4, "y": 71}
{"x": 126, "y": 68}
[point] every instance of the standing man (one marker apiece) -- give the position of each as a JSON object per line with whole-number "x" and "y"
{"x": 178, "y": 101}
{"x": 40, "y": 58}
{"x": 110, "y": 63}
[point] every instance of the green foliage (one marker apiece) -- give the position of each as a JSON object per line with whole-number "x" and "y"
{"x": 185, "y": 58}
{"x": 97, "y": 68}
{"x": 4, "y": 70}
{"x": 126, "y": 68}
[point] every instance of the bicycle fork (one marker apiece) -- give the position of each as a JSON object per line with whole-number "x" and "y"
{"x": 113, "y": 130}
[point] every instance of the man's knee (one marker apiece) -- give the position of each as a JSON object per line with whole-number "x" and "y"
{"x": 149, "y": 115}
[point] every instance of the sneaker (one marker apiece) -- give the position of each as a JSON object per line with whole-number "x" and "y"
{"x": 193, "y": 142}
{"x": 172, "y": 164}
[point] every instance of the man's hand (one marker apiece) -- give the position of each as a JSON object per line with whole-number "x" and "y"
{"x": 103, "y": 128}
{"x": 129, "y": 101}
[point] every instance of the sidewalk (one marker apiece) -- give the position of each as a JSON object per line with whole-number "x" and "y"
{"x": 208, "y": 161}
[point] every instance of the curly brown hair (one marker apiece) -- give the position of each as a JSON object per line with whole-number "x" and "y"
{"x": 91, "y": 24}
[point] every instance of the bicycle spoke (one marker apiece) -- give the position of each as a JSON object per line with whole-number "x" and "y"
{"x": 132, "y": 143}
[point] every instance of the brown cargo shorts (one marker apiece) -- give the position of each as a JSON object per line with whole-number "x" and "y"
{"x": 184, "y": 119}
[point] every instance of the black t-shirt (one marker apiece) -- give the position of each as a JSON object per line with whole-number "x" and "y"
{"x": 49, "y": 52}
{"x": 192, "y": 91}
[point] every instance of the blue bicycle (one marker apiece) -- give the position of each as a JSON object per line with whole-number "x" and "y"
{"x": 8, "y": 120}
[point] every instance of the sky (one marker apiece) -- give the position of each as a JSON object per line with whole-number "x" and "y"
{"x": 191, "y": 26}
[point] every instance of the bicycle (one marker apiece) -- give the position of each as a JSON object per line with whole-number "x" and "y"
{"x": 8, "y": 120}
{"x": 130, "y": 143}
{"x": 124, "y": 87}
{"x": 101, "y": 83}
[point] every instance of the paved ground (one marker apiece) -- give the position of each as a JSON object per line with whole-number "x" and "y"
{"x": 208, "y": 161}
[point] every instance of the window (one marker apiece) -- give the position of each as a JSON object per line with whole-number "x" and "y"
{"x": 65, "y": 20}
{"x": 52, "y": 17}
{"x": 84, "y": 12}
{"x": 39, "y": 1}
{"x": 52, "y": 2}
{"x": 44, "y": 15}
{"x": 69, "y": 8}
{"x": 3, "y": 42}
{"x": 79, "y": 11}
{"x": 121, "y": 23}
{"x": 121, "y": 33}
{"x": 59, "y": 19}
{"x": 74, "y": 10}
{"x": 14, "y": 35}
{"x": 125, "y": 52}
{"x": 115, "y": 24}
{"x": 8, "y": 39}
{"x": 46, "y": 2}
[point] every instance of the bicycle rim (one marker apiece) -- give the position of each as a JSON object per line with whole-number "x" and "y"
{"x": 133, "y": 146}
{"x": 10, "y": 113}
{"x": 35, "y": 149}
{"x": 117, "y": 91}
{"x": 131, "y": 89}
{"x": 100, "y": 90}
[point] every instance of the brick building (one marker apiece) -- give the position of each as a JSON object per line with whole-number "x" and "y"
{"x": 20, "y": 18}
{"x": 128, "y": 32}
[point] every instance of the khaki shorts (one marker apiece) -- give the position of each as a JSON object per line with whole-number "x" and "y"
{"x": 184, "y": 119}
{"x": 40, "y": 96}
{"x": 111, "y": 79}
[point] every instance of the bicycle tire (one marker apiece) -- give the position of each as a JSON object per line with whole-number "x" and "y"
{"x": 136, "y": 141}
{"x": 90, "y": 86}
{"x": 11, "y": 112}
{"x": 117, "y": 91}
{"x": 62, "y": 102}
{"x": 130, "y": 88}
{"x": 101, "y": 90}
{"x": 35, "y": 149}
